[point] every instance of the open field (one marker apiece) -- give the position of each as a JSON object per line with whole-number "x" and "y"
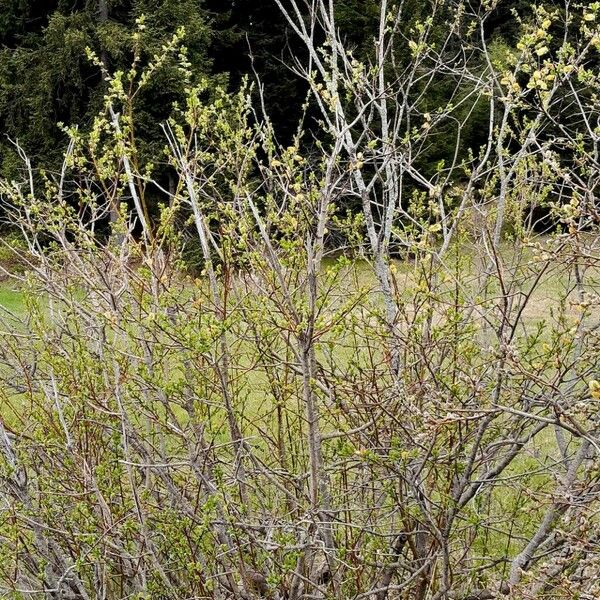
{"x": 11, "y": 298}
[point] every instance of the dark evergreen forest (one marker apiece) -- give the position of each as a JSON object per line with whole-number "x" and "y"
{"x": 47, "y": 80}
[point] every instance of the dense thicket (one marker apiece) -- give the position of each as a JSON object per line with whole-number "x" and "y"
{"x": 301, "y": 418}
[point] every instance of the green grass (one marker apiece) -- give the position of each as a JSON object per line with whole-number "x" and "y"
{"x": 11, "y": 298}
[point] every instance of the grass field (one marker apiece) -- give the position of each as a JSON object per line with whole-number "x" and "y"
{"x": 10, "y": 297}
{"x": 545, "y": 298}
